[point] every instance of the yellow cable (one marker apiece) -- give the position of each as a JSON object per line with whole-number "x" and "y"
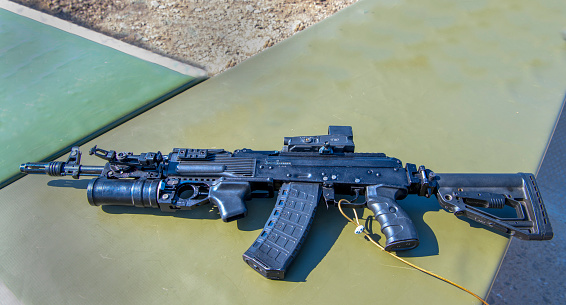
{"x": 357, "y": 222}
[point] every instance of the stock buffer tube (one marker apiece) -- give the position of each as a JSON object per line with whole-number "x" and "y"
{"x": 139, "y": 193}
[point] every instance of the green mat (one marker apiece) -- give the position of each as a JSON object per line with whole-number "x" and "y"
{"x": 57, "y": 89}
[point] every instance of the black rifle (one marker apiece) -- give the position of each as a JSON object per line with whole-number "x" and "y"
{"x": 306, "y": 168}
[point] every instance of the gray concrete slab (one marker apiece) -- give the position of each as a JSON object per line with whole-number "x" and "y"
{"x": 534, "y": 272}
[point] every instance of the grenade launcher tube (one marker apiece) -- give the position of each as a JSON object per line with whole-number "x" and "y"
{"x": 139, "y": 193}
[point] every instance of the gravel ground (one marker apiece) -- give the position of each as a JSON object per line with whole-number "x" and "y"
{"x": 212, "y": 34}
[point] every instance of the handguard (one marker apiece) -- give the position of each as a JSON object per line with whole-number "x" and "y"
{"x": 475, "y": 195}
{"x": 285, "y": 230}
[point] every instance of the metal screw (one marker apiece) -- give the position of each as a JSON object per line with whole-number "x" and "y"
{"x": 357, "y": 180}
{"x": 377, "y": 174}
{"x": 165, "y": 196}
{"x": 334, "y": 177}
{"x": 261, "y": 167}
{"x": 325, "y": 178}
{"x": 289, "y": 175}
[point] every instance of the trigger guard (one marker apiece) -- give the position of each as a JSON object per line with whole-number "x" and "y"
{"x": 192, "y": 201}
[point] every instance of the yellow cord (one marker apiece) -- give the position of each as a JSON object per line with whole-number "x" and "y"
{"x": 357, "y": 223}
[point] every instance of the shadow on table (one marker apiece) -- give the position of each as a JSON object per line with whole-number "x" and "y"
{"x": 77, "y": 184}
{"x": 325, "y": 230}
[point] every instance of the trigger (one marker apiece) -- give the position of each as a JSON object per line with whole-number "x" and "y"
{"x": 329, "y": 195}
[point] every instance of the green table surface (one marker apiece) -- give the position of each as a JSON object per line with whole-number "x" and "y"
{"x": 457, "y": 86}
{"x": 56, "y": 89}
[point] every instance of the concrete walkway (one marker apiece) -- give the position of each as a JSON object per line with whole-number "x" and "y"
{"x": 534, "y": 272}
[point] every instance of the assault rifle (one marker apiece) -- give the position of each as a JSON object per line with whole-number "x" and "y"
{"x": 306, "y": 169}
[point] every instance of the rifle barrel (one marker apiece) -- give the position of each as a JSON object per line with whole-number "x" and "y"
{"x": 56, "y": 168}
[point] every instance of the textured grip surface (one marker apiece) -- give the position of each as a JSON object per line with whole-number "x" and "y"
{"x": 285, "y": 230}
{"x": 399, "y": 230}
{"x": 230, "y": 199}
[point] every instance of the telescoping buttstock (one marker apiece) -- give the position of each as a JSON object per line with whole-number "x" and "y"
{"x": 308, "y": 169}
{"x": 474, "y": 195}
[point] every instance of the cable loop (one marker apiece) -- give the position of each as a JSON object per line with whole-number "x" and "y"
{"x": 357, "y": 223}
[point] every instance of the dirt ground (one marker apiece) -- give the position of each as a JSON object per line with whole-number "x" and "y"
{"x": 212, "y": 34}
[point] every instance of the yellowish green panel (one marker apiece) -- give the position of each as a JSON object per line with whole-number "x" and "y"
{"x": 459, "y": 87}
{"x": 57, "y": 88}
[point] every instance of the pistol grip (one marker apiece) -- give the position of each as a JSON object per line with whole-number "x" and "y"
{"x": 230, "y": 197}
{"x": 399, "y": 230}
{"x": 285, "y": 230}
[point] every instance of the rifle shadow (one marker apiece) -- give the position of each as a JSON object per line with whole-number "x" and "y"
{"x": 77, "y": 184}
{"x": 416, "y": 207}
{"x": 327, "y": 226}
{"x": 325, "y": 229}
{"x": 259, "y": 210}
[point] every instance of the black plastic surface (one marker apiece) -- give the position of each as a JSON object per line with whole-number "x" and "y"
{"x": 465, "y": 195}
{"x": 285, "y": 230}
{"x": 230, "y": 199}
{"x": 399, "y": 230}
{"x": 138, "y": 193}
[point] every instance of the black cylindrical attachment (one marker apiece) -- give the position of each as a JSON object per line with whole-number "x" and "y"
{"x": 90, "y": 170}
{"x": 140, "y": 193}
{"x": 47, "y": 168}
{"x": 57, "y": 168}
